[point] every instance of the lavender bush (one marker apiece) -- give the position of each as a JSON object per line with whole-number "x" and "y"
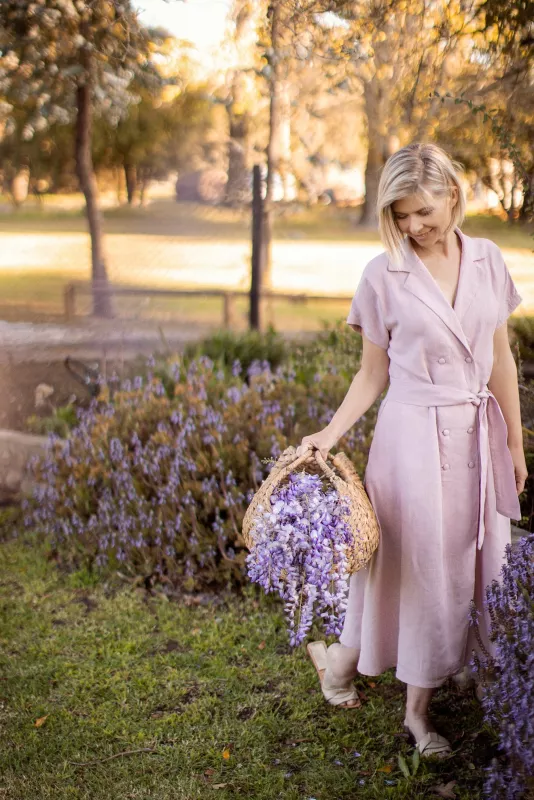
{"x": 300, "y": 552}
{"x": 156, "y": 476}
{"x": 508, "y": 702}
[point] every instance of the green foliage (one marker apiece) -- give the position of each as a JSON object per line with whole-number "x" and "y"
{"x": 334, "y": 348}
{"x": 521, "y": 157}
{"x": 50, "y": 49}
{"x": 60, "y": 422}
{"x": 411, "y": 768}
{"x": 523, "y": 330}
{"x": 156, "y": 136}
{"x": 225, "y": 347}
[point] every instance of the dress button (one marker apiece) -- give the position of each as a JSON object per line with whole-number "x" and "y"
{"x": 470, "y": 430}
{"x": 469, "y": 359}
{"x": 471, "y": 464}
{"x": 441, "y": 360}
{"x": 445, "y": 466}
{"x": 445, "y": 431}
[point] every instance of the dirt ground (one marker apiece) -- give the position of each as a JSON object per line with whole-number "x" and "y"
{"x": 27, "y": 362}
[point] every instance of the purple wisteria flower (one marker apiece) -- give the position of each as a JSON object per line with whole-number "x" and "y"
{"x": 300, "y": 551}
{"x": 508, "y": 701}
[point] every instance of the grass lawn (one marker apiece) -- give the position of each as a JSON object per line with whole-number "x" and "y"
{"x": 168, "y": 244}
{"x": 208, "y": 695}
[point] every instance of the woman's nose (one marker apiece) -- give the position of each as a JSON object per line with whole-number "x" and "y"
{"x": 415, "y": 229}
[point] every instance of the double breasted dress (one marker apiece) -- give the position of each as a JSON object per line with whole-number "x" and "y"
{"x": 439, "y": 474}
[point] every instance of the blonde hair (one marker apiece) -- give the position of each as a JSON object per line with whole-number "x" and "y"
{"x": 423, "y": 169}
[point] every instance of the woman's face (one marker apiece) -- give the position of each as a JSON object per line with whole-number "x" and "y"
{"x": 424, "y": 219}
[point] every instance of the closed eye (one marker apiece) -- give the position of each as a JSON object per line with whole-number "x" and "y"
{"x": 423, "y": 212}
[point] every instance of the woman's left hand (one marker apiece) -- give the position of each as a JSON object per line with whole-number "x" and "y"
{"x": 520, "y": 467}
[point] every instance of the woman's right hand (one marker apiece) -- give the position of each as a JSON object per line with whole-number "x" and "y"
{"x": 321, "y": 441}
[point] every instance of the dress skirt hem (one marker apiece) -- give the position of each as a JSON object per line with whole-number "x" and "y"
{"x": 407, "y": 677}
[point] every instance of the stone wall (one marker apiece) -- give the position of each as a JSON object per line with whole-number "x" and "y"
{"x": 15, "y": 451}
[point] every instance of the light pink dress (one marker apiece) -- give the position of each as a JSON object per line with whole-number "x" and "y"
{"x": 438, "y": 455}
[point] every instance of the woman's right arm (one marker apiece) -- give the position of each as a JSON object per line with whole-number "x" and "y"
{"x": 366, "y": 387}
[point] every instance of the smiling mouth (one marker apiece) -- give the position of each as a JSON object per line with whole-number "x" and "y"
{"x": 421, "y": 236}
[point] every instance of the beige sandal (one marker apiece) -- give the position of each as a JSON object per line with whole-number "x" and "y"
{"x": 336, "y": 696}
{"x": 431, "y": 744}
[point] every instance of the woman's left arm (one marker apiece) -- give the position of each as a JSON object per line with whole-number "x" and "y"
{"x": 503, "y": 384}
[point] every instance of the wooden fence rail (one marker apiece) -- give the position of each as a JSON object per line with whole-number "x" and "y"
{"x": 228, "y": 297}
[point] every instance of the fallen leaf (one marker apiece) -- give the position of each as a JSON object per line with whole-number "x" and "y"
{"x": 261, "y": 646}
{"x": 219, "y": 785}
{"x": 387, "y": 768}
{"x": 195, "y": 631}
{"x": 209, "y": 771}
{"x": 445, "y": 790}
{"x": 371, "y": 684}
{"x": 226, "y": 753}
{"x": 41, "y": 721}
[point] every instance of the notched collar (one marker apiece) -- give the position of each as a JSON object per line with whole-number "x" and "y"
{"x": 420, "y": 283}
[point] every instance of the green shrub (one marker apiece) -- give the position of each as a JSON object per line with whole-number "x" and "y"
{"x": 226, "y": 347}
{"x": 157, "y": 474}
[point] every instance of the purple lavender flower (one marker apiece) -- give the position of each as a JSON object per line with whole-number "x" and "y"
{"x": 161, "y": 479}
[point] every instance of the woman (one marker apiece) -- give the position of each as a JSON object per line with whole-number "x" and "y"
{"x": 446, "y": 463}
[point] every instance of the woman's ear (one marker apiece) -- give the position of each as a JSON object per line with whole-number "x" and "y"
{"x": 454, "y": 195}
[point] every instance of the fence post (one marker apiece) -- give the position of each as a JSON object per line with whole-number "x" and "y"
{"x": 229, "y": 310}
{"x": 255, "y": 321}
{"x": 69, "y": 301}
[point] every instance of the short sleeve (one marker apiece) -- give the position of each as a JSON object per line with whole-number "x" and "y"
{"x": 509, "y": 297}
{"x": 365, "y": 315}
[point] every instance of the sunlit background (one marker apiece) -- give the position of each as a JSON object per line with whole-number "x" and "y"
{"x": 188, "y": 97}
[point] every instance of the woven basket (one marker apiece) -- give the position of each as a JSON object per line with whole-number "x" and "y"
{"x": 361, "y": 519}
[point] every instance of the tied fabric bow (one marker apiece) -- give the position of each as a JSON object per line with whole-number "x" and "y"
{"x": 492, "y": 440}
{"x": 480, "y": 399}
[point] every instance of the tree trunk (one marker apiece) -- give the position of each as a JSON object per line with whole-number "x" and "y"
{"x": 256, "y": 306}
{"x": 375, "y": 154}
{"x": 130, "y": 175}
{"x": 20, "y": 186}
{"x": 102, "y": 306}
{"x": 237, "y": 186}
{"x": 283, "y": 134}
{"x": 526, "y": 213}
{"x": 144, "y": 178}
{"x": 273, "y": 144}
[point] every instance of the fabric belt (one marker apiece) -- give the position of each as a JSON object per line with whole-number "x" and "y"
{"x": 492, "y": 440}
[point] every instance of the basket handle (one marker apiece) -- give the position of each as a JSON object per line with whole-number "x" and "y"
{"x": 346, "y": 469}
{"x": 276, "y": 477}
{"x": 328, "y": 471}
{"x": 343, "y": 464}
